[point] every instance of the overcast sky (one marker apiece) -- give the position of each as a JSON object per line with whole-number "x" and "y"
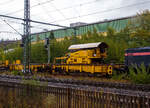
{"x": 64, "y": 12}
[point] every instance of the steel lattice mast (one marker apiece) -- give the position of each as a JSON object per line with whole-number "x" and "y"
{"x": 26, "y": 37}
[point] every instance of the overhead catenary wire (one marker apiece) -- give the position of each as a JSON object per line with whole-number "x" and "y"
{"x": 58, "y": 10}
{"x": 39, "y": 4}
{"x": 12, "y": 28}
{"x": 6, "y": 16}
{"x": 6, "y": 2}
{"x": 23, "y": 24}
{"x": 45, "y": 10}
{"x": 8, "y": 32}
{"x": 104, "y": 11}
{"x": 77, "y": 5}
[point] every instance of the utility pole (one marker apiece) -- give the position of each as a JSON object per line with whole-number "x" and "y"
{"x": 27, "y": 37}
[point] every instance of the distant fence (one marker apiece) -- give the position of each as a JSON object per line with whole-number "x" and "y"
{"x": 56, "y": 96}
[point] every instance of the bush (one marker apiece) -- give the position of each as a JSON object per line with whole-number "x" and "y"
{"x": 17, "y": 73}
{"x": 119, "y": 76}
{"x": 139, "y": 75}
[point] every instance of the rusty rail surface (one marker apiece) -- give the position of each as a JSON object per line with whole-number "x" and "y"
{"x": 80, "y": 96}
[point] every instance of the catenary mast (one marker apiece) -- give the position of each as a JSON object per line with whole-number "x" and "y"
{"x": 26, "y": 39}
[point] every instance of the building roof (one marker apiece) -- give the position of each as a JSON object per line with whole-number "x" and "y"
{"x": 88, "y": 46}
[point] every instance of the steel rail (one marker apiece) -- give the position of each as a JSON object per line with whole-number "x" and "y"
{"x": 17, "y": 82}
{"x": 124, "y": 86}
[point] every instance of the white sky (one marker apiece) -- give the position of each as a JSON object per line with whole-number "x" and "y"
{"x": 64, "y": 12}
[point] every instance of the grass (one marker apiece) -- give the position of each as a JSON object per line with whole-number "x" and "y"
{"x": 17, "y": 73}
{"x": 116, "y": 78}
{"x": 15, "y": 98}
{"x": 119, "y": 76}
{"x": 140, "y": 77}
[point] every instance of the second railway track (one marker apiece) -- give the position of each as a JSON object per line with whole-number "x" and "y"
{"x": 136, "y": 87}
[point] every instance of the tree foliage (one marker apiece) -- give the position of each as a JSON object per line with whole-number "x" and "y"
{"x": 135, "y": 34}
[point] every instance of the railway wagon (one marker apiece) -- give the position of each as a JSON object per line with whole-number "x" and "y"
{"x": 34, "y": 67}
{"x": 84, "y": 58}
{"x": 137, "y": 56}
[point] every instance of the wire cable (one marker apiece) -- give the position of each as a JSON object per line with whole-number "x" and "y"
{"x": 77, "y": 5}
{"x": 58, "y": 10}
{"x": 33, "y": 21}
{"x": 8, "y": 32}
{"x": 6, "y": 2}
{"x": 39, "y": 4}
{"x": 12, "y": 28}
{"x": 42, "y": 3}
{"x": 46, "y": 11}
{"x": 23, "y": 24}
{"x": 141, "y": 3}
{"x": 104, "y": 11}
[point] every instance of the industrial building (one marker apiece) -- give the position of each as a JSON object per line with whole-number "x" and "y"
{"x": 79, "y": 30}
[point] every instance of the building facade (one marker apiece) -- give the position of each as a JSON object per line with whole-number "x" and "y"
{"x": 117, "y": 24}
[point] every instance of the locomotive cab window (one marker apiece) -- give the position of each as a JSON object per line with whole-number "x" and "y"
{"x": 103, "y": 46}
{"x": 75, "y": 60}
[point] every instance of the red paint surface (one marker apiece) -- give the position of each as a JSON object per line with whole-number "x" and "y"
{"x": 137, "y": 54}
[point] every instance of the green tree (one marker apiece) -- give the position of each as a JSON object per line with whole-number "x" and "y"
{"x": 140, "y": 27}
{"x": 51, "y": 35}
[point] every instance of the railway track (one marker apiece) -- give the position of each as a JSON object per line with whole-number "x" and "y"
{"x": 78, "y": 94}
{"x": 19, "y": 84}
{"x": 114, "y": 85}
